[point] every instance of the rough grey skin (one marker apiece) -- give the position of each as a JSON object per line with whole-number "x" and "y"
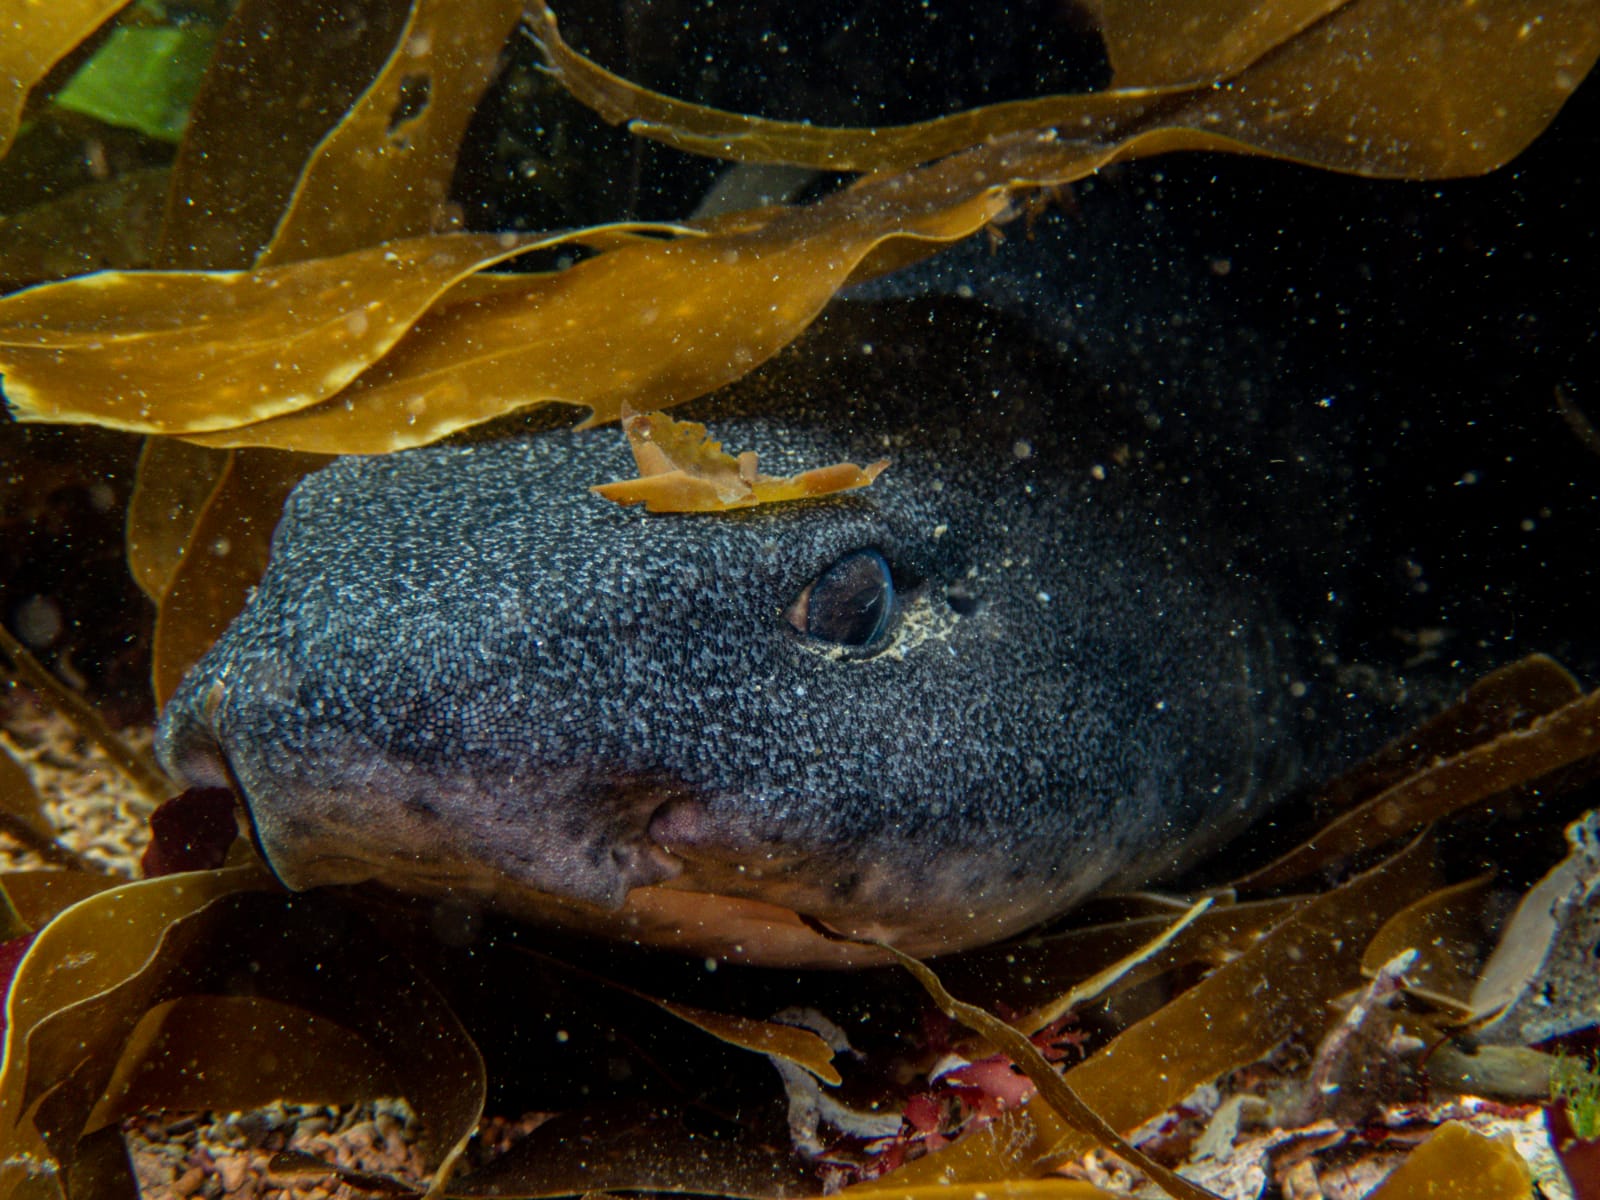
{"x": 465, "y": 674}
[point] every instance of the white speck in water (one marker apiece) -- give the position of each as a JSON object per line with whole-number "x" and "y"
{"x": 1022, "y": 449}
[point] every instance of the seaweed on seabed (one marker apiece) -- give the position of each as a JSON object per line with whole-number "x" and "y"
{"x": 130, "y": 999}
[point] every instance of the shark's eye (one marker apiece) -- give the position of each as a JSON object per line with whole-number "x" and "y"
{"x": 850, "y": 603}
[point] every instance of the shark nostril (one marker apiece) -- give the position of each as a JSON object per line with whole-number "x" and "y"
{"x": 187, "y": 746}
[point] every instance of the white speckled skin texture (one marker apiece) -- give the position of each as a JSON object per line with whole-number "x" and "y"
{"x": 464, "y": 673}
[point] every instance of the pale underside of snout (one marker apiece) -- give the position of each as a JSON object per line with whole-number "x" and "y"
{"x": 757, "y": 928}
{"x": 650, "y": 866}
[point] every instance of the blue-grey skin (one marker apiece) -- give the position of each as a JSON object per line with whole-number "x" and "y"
{"x": 466, "y": 674}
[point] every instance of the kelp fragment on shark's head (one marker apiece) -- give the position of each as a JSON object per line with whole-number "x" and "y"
{"x": 681, "y": 469}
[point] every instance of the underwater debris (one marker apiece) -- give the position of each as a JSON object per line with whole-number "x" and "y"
{"x": 682, "y": 470}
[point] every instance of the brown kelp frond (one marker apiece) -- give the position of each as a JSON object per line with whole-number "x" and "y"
{"x": 682, "y": 470}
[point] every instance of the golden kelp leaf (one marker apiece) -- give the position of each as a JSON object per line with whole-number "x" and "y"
{"x": 658, "y": 324}
{"x": 1553, "y": 740}
{"x": 1197, "y": 41}
{"x": 1458, "y": 1163}
{"x": 1444, "y": 928}
{"x": 1422, "y": 90}
{"x": 682, "y": 470}
{"x": 132, "y": 949}
{"x": 189, "y": 1054}
{"x": 173, "y": 484}
{"x": 718, "y": 134}
{"x": 108, "y": 225}
{"x": 1280, "y": 985}
{"x": 1102, "y": 981}
{"x": 173, "y": 352}
{"x": 1030, "y": 972}
{"x": 648, "y": 323}
{"x": 400, "y": 139}
{"x": 229, "y": 539}
{"x": 277, "y": 85}
{"x": 37, "y": 37}
{"x": 94, "y": 945}
{"x": 40, "y": 895}
{"x": 1432, "y": 89}
{"x": 796, "y": 1045}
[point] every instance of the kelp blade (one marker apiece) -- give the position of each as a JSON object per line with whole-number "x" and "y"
{"x": 1329, "y": 84}
{"x": 401, "y": 138}
{"x": 1237, "y": 1014}
{"x": 1443, "y": 928}
{"x": 1551, "y": 741}
{"x": 649, "y": 323}
{"x": 277, "y": 87}
{"x": 37, "y": 36}
{"x": 224, "y": 557}
{"x": 1458, "y": 1163}
{"x": 631, "y": 300}
{"x": 1173, "y": 45}
{"x": 174, "y": 352}
{"x": 239, "y": 1052}
{"x": 96, "y": 972}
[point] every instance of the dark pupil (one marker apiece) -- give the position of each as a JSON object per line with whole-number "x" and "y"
{"x": 851, "y": 601}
